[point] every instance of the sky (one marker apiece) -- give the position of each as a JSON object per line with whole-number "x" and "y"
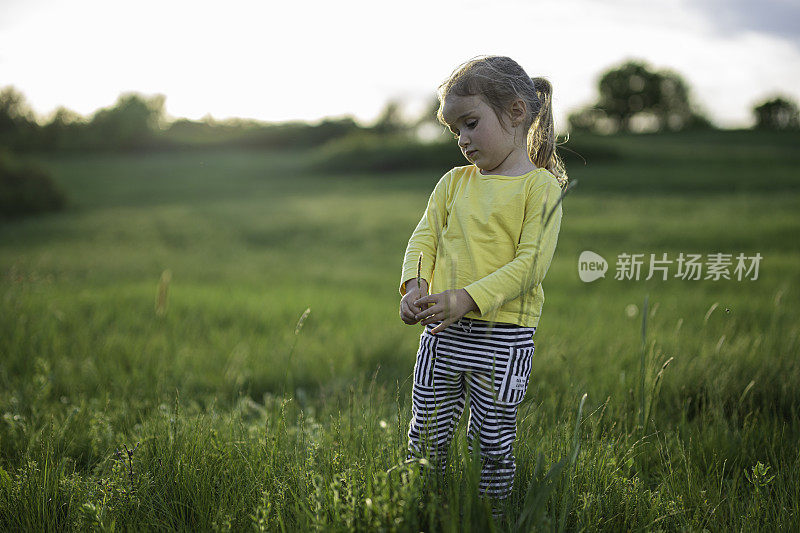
{"x": 305, "y": 60}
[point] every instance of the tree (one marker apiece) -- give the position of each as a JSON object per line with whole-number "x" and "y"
{"x": 426, "y": 126}
{"x": 131, "y": 123}
{"x": 390, "y": 120}
{"x": 591, "y": 119}
{"x": 636, "y": 97}
{"x": 64, "y": 130}
{"x": 17, "y": 122}
{"x": 777, "y": 114}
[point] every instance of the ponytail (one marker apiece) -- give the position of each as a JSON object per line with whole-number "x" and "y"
{"x": 541, "y": 135}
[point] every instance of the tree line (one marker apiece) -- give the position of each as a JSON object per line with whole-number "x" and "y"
{"x": 632, "y": 97}
{"x": 138, "y": 122}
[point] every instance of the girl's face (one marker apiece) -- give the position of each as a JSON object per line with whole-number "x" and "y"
{"x": 483, "y": 138}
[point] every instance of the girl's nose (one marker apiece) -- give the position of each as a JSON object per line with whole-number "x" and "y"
{"x": 462, "y": 141}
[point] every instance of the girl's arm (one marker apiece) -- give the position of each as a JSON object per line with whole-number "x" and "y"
{"x": 533, "y": 256}
{"x": 425, "y": 238}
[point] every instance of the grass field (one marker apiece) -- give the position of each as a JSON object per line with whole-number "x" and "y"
{"x": 207, "y": 409}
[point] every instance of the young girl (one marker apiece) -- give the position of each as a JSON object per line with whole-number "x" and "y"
{"x": 483, "y": 247}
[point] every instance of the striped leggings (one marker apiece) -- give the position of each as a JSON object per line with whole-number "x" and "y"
{"x": 490, "y": 364}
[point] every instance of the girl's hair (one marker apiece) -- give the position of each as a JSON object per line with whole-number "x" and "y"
{"x": 499, "y": 81}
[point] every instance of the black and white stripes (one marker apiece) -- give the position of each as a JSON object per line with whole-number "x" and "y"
{"x": 490, "y": 362}
{"x": 423, "y": 369}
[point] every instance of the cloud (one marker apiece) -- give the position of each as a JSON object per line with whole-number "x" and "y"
{"x": 779, "y": 18}
{"x": 314, "y": 58}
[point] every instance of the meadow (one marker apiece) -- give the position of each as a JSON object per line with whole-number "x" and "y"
{"x": 155, "y": 374}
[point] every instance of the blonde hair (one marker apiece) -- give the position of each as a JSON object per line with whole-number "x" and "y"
{"x": 500, "y": 80}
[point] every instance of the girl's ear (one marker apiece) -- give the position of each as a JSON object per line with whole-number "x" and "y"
{"x": 518, "y": 111}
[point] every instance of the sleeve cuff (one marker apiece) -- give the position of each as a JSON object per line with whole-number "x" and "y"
{"x": 482, "y": 299}
{"x": 403, "y": 285}
{"x": 407, "y": 278}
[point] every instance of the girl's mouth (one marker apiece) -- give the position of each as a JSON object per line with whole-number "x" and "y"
{"x": 470, "y": 154}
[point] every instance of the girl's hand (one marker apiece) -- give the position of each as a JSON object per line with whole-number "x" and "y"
{"x": 408, "y": 310}
{"x": 447, "y": 307}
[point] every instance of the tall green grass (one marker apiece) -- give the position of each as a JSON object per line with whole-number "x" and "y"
{"x": 245, "y": 422}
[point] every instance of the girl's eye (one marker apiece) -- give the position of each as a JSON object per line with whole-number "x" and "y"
{"x": 471, "y": 125}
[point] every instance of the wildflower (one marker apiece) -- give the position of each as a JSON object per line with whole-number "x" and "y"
{"x": 300, "y": 322}
{"x": 161, "y": 295}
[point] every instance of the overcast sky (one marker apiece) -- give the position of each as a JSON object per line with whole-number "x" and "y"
{"x": 306, "y": 60}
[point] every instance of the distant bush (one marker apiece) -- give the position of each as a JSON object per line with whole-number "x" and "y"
{"x": 254, "y": 134}
{"x": 26, "y": 189}
{"x": 374, "y": 153}
{"x": 380, "y": 153}
{"x": 586, "y": 148}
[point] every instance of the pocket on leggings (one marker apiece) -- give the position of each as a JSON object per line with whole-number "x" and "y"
{"x": 423, "y": 368}
{"x": 518, "y": 372}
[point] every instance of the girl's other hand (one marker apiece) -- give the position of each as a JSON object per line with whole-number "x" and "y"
{"x": 447, "y": 307}
{"x": 409, "y": 310}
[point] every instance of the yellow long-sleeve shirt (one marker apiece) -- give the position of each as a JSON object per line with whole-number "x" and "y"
{"x": 486, "y": 234}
